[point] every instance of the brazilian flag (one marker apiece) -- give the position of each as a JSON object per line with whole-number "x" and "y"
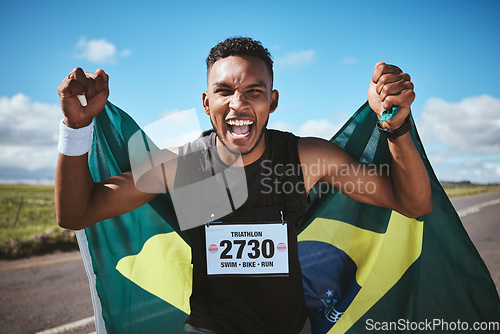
{"x": 365, "y": 268}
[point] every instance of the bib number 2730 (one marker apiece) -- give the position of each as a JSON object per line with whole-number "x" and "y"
{"x": 266, "y": 249}
{"x": 247, "y": 249}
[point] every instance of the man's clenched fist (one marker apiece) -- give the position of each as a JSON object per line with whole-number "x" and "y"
{"x": 95, "y": 88}
{"x": 390, "y": 87}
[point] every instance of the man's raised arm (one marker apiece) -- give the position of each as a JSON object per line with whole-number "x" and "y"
{"x": 409, "y": 180}
{"x": 406, "y": 188}
{"x": 79, "y": 201}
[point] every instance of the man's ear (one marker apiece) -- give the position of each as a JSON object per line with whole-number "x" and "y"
{"x": 204, "y": 100}
{"x": 274, "y": 101}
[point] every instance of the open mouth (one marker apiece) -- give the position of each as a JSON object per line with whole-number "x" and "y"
{"x": 240, "y": 128}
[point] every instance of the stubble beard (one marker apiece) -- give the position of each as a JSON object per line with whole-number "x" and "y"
{"x": 237, "y": 152}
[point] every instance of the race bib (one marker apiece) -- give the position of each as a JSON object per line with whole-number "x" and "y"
{"x": 247, "y": 249}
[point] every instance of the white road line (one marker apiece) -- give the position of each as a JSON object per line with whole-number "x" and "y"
{"x": 477, "y": 207}
{"x": 68, "y": 326}
{"x": 42, "y": 263}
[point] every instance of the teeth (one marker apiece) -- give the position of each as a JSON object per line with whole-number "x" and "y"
{"x": 242, "y": 135}
{"x": 239, "y": 122}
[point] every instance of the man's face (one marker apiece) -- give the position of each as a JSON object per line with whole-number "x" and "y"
{"x": 239, "y": 99}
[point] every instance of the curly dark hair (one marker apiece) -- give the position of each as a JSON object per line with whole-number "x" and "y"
{"x": 240, "y": 46}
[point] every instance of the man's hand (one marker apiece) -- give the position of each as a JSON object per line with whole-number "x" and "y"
{"x": 95, "y": 88}
{"x": 390, "y": 87}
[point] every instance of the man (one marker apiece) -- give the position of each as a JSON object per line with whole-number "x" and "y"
{"x": 238, "y": 100}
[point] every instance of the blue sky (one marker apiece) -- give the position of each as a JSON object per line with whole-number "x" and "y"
{"x": 324, "y": 54}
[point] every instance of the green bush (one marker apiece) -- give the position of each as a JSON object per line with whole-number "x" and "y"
{"x": 28, "y": 222}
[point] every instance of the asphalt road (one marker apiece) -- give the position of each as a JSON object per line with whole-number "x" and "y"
{"x": 480, "y": 216}
{"x": 45, "y": 293}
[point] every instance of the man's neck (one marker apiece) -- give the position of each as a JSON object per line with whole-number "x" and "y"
{"x": 230, "y": 158}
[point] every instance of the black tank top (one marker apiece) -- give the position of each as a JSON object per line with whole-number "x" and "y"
{"x": 245, "y": 304}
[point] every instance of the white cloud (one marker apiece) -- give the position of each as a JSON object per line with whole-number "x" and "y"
{"x": 126, "y": 53}
{"x": 25, "y": 122}
{"x": 283, "y": 126}
{"x": 348, "y": 61}
{"x": 296, "y": 59}
{"x": 175, "y": 128}
{"x": 99, "y": 51}
{"x": 494, "y": 167}
{"x": 471, "y": 125}
{"x": 28, "y": 138}
{"x": 462, "y": 139}
{"x": 321, "y": 128}
{"x": 474, "y": 170}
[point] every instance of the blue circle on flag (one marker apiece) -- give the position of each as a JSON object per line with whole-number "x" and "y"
{"x": 329, "y": 279}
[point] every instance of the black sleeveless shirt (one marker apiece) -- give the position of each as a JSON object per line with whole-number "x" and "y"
{"x": 243, "y": 304}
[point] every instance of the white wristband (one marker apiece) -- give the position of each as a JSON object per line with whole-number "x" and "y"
{"x": 75, "y": 142}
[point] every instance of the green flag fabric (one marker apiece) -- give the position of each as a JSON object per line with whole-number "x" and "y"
{"x": 365, "y": 268}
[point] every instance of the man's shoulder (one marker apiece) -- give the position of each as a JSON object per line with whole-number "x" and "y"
{"x": 282, "y": 145}
{"x": 314, "y": 148}
{"x": 202, "y": 143}
{"x": 306, "y": 146}
{"x": 279, "y": 134}
{"x": 291, "y": 135}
